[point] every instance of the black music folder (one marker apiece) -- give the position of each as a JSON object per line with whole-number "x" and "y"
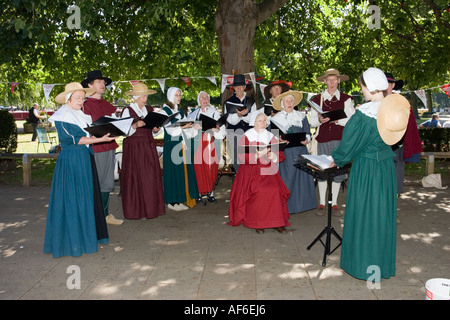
{"x": 157, "y": 120}
{"x": 333, "y": 115}
{"x": 294, "y": 139}
{"x": 114, "y": 126}
{"x": 210, "y": 123}
{"x": 252, "y": 148}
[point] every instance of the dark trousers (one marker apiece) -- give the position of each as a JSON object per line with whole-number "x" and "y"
{"x": 33, "y": 138}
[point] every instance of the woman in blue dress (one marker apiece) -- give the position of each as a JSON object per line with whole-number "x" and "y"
{"x": 75, "y": 222}
{"x": 291, "y": 121}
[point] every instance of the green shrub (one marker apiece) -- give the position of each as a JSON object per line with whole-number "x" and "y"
{"x": 8, "y": 132}
{"x": 435, "y": 139}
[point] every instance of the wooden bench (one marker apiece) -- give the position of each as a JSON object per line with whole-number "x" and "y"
{"x": 26, "y": 162}
{"x": 430, "y": 156}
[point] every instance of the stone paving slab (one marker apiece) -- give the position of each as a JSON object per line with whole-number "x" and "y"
{"x": 194, "y": 255}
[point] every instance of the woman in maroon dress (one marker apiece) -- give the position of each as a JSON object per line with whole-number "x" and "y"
{"x": 258, "y": 198}
{"x": 140, "y": 180}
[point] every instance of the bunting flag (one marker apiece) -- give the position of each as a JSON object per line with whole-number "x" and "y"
{"x": 213, "y": 80}
{"x": 187, "y": 80}
{"x": 421, "y": 94}
{"x": 47, "y": 89}
{"x": 446, "y": 89}
{"x": 133, "y": 82}
{"x": 261, "y": 88}
{"x": 225, "y": 81}
{"x": 13, "y": 85}
{"x": 111, "y": 86}
{"x": 161, "y": 83}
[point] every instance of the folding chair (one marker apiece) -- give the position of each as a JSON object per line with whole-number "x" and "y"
{"x": 43, "y": 137}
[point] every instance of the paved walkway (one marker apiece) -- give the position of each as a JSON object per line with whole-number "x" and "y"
{"x": 194, "y": 255}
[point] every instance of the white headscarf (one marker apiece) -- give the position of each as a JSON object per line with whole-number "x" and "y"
{"x": 284, "y": 120}
{"x": 198, "y": 97}
{"x": 171, "y": 96}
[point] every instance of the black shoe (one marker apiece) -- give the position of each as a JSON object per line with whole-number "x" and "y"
{"x": 211, "y": 199}
{"x": 198, "y": 200}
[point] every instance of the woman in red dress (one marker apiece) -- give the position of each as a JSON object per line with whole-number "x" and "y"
{"x": 258, "y": 198}
{"x": 207, "y": 148}
{"x": 141, "y": 181}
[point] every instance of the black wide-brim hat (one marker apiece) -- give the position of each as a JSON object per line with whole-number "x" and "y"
{"x": 398, "y": 83}
{"x": 239, "y": 80}
{"x": 95, "y": 75}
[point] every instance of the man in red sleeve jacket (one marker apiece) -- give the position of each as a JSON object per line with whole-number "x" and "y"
{"x": 105, "y": 152}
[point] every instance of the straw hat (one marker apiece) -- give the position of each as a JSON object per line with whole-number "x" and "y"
{"x": 332, "y": 72}
{"x": 140, "y": 89}
{"x": 298, "y": 96}
{"x": 392, "y": 118}
{"x": 71, "y": 88}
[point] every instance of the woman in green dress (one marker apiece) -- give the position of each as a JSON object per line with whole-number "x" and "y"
{"x": 180, "y": 185}
{"x": 369, "y": 235}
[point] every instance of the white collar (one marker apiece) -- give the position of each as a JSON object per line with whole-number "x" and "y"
{"x": 140, "y": 112}
{"x": 327, "y": 96}
{"x": 370, "y": 108}
{"x": 69, "y": 115}
{"x": 264, "y": 137}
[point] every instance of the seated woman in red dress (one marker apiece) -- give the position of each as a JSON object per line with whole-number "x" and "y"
{"x": 258, "y": 198}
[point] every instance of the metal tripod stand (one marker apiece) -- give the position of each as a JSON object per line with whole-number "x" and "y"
{"x": 327, "y": 174}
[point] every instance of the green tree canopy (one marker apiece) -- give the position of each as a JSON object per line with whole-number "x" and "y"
{"x": 141, "y": 39}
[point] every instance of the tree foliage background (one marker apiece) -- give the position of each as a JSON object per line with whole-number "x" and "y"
{"x": 132, "y": 40}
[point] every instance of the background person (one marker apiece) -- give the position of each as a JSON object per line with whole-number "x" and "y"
{"x": 330, "y": 132}
{"x": 33, "y": 117}
{"x": 432, "y": 123}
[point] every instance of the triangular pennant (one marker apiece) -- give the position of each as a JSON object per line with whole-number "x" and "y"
{"x": 133, "y": 82}
{"x": 47, "y": 89}
{"x": 161, "y": 83}
{"x": 13, "y": 85}
{"x": 226, "y": 79}
{"x": 421, "y": 94}
{"x": 187, "y": 80}
{"x": 446, "y": 89}
{"x": 111, "y": 86}
{"x": 261, "y": 87}
{"x": 310, "y": 95}
{"x": 212, "y": 79}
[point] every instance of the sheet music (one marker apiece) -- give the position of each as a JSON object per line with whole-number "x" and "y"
{"x": 322, "y": 161}
{"x": 315, "y": 106}
{"x": 124, "y": 124}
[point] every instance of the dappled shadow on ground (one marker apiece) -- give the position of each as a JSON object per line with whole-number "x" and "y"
{"x": 195, "y": 255}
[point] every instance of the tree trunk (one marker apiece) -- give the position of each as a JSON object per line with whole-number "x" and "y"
{"x": 235, "y": 23}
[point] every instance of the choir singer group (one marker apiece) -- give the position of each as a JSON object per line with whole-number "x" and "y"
{"x": 262, "y": 145}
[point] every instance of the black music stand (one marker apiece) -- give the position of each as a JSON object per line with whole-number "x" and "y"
{"x": 328, "y": 175}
